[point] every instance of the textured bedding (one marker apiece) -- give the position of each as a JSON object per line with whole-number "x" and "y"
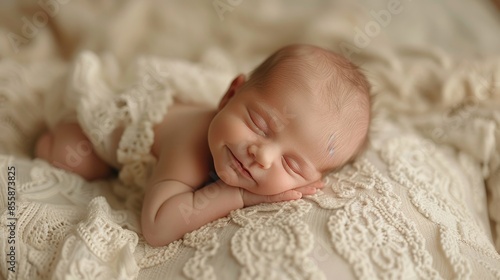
{"x": 422, "y": 202}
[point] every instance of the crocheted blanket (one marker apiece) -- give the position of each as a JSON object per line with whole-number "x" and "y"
{"x": 423, "y": 201}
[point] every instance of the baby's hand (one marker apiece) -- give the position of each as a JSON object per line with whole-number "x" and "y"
{"x": 250, "y": 199}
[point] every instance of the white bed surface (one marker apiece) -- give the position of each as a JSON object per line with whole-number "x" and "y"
{"x": 414, "y": 206}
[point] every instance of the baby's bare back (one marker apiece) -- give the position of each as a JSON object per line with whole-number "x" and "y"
{"x": 181, "y": 145}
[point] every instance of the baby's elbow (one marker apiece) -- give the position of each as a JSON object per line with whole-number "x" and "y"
{"x": 159, "y": 226}
{"x": 155, "y": 236}
{"x": 151, "y": 238}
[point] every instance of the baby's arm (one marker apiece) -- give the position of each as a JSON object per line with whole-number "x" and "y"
{"x": 171, "y": 208}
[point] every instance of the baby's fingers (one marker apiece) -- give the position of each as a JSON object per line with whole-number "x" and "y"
{"x": 284, "y": 196}
{"x": 317, "y": 184}
{"x": 307, "y": 190}
{"x": 312, "y": 188}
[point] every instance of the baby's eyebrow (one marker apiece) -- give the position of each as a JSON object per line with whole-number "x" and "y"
{"x": 330, "y": 148}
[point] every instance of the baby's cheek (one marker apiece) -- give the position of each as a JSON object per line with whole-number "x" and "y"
{"x": 237, "y": 131}
{"x": 226, "y": 177}
{"x": 281, "y": 184}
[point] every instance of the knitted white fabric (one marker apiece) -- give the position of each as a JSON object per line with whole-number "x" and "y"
{"x": 416, "y": 205}
{"x": 130, "y": 113}
{"x": 407, "y": 207}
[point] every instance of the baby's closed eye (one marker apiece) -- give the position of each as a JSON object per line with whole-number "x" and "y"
{"x": 259, "y": 124}
{"x": 292, "y": 165}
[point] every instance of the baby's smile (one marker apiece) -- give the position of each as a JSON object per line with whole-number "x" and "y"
{"x": 238, "y": 166}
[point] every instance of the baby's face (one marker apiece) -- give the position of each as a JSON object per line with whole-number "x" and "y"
{"x": 269, "y": 141}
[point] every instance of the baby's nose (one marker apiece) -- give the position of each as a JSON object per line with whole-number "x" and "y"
{"x": 264, "y": 154}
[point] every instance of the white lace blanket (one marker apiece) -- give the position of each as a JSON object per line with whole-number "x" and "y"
{"x": 417, "y": 205}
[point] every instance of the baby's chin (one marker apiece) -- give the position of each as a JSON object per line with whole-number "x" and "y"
{"x": 229, "y": 179}
{"x": 234, "y": 182}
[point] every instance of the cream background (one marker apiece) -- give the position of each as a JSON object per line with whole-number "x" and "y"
{"x": 422, "y": 184}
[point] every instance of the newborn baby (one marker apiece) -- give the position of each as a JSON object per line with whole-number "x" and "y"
{"x": 303, "y": 112}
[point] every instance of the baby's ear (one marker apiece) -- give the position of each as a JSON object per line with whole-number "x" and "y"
{"x": 235, "y": 85}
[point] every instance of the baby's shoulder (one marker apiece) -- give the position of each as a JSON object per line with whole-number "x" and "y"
{"x": 181, "y": 145}
{"x": 183, "y": 125}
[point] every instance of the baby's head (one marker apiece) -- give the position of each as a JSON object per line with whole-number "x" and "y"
{"x": 303, "y": 112}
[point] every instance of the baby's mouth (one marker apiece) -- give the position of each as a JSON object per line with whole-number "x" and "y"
{"x": 239, "y": 166}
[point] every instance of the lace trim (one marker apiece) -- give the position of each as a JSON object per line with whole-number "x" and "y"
{"x": 426, "y": 183}
{"x": 205, "y": 242}
{"x": 274, "y": 242}
{"x": 101, "y": 110}
{"x": 370, "y": 231}
{"x": 100, "y": 247}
